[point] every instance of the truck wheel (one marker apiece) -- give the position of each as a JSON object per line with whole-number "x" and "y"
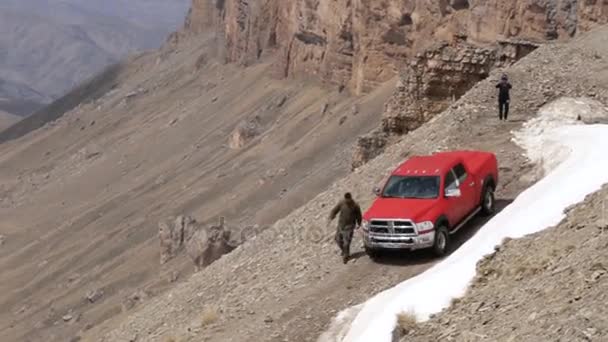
{"x": 487, "y": 201}
{"x": 442, "y": 240}
{"x": 372, "y": 253}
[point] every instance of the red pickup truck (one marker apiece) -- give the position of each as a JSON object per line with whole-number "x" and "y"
{"x": 428, "y": 198}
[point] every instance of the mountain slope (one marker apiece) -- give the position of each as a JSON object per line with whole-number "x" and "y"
{"x": 50, "y": 47}
{"x": 567, "y": 151}
{"x": 82, "y": 192}
{"x": 551, "y": 285}
{"x": 87, "y": 92}
{"x": 157, "y": 144}
{"x": 19, "y": 99}
{"x": 288, "y": 283}
{"x": 7, "y": 120}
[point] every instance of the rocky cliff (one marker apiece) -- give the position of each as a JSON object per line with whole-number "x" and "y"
{"x": 442, "y": 74}
{"x": 359, "y": 43}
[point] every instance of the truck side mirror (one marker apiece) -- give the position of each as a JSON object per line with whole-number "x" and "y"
{"x": 454, "y": 192}
{"x": 377, "y": 191}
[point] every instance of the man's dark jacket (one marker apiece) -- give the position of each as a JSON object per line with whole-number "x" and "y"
{"x": 350, "y": 214}
{"x": 503, "y": 91}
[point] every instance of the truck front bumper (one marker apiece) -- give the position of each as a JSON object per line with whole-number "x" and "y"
{"x": 397, "y": 241}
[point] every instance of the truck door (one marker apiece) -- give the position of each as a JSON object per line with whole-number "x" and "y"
{"x": 454, "y": 208}
{"x": 468, "y": 188}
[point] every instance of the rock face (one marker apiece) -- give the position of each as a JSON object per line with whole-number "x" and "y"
{"x": 208, "y": 244}
{"x": 203, "y": 244}
{"x": 547, "y": 19}
{"x": 358, "y": 43}
{"x": 441, "y": 75}
{"x": 368, "y": 147}
{"x": 172, "y": 236}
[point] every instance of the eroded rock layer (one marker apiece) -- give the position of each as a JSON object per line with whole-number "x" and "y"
{"x": 359, "y": 43}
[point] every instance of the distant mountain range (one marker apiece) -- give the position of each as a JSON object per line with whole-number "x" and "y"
{"x": 49, "y": 46}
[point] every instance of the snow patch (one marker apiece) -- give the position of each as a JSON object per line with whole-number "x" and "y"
{"x": 573, "y": 158}
{"x": 536, "y": 138}
{"x": 341, "y": 324}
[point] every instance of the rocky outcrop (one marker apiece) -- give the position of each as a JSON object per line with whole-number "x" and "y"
{"x": 368, "y": 147}
{"x": 172, "y": 236}
{"x": 94, "y": 295}
{"x": 245, "y": 132}
{"x": 538, "y": 20}
{"x": 208, "y": 244}
{"x": 433, "y": 80}
{"x": 202, "y": 244}
{"x": 441, "y": 75}
{"x": 358, "y": 44}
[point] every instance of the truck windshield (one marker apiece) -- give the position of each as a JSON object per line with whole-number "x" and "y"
{"x": 422, "y": 187}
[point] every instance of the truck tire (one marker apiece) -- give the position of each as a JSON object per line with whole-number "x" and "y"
{"x": 488, "y": 205}
{"x": 372, "y": 253}
{"x": 442, "y": 240}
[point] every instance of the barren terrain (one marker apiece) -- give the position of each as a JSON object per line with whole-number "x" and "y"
{"x": 85, "y": 182}
{"x": 286, "y": 286}
{"x": 82, "y": 197}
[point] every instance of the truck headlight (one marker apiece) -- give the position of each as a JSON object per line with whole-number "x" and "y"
{"x": 365, "y": 225}
{"x": 424, "y": 226}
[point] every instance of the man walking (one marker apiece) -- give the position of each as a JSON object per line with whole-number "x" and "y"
{"x": 503, "y": 97}
{"x": 349, "y": 220}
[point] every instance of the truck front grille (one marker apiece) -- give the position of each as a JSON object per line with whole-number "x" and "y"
{"x": 382, "y": 230}
{"x": 405, "y": 230}
{"x": 391, "y": 227}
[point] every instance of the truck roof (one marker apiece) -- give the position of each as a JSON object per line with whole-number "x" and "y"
{"x": 435, "y": 164}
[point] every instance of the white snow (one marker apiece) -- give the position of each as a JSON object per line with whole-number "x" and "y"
{"x": 573, "y": 157}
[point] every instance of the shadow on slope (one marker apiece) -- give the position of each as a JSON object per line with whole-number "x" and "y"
{"x": 88, "y": 91}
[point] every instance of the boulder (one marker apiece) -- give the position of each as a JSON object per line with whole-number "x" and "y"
{"x": 208, "y": 244}
{"x": 202, "y": 244}
{"x": 172, "y": 236}
{"x": 368, "y": 147}
{"x": 245, "y": 132}
{"x": 94, "y": 295}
